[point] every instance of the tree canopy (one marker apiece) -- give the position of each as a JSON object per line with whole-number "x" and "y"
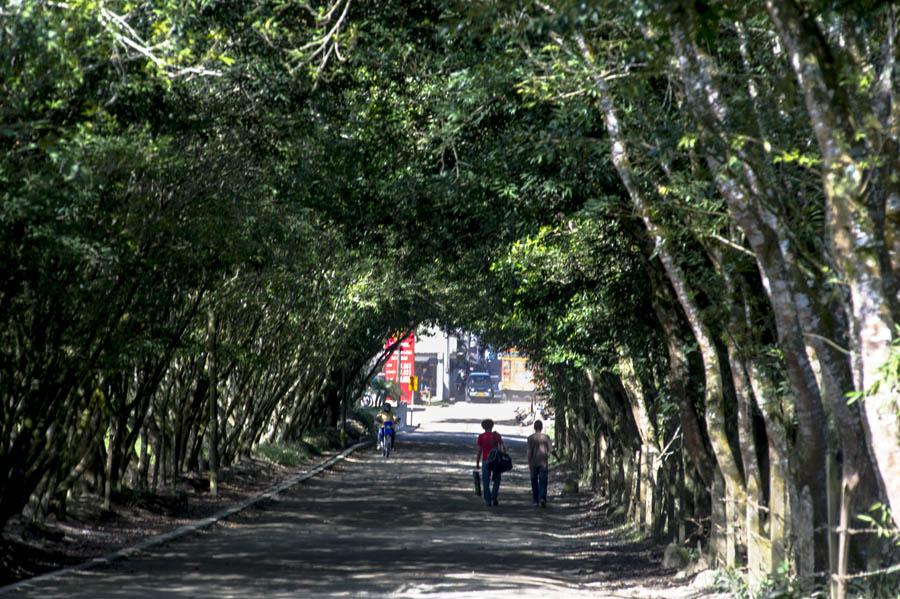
{"x": 687, "y": 215}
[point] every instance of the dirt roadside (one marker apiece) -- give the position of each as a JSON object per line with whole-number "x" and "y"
{"x": 28, "y": 549}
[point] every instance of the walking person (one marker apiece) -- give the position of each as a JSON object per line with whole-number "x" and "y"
{"x": 490, "y": 478}
{"x": 539, "y": 449}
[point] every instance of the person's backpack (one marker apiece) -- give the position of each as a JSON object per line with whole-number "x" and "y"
{"x": 498, "y": 460}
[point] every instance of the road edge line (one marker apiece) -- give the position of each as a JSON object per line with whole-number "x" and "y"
{"x": 187, "y": 529}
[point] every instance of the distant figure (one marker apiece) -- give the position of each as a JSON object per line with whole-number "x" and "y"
{"x": 386, "y": 420}
{"x": 486, "y": 442}
{"x": 539, "y": 449}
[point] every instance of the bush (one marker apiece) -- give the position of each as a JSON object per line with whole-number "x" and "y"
{"x": 285, "y": 454}
{"x": 366, "y": 416}
{"x": 322, "y": 440}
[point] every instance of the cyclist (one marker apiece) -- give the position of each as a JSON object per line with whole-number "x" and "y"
{"x": 386, "y": 421}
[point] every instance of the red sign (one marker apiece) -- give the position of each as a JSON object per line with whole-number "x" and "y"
{"x": 404, "y": 360}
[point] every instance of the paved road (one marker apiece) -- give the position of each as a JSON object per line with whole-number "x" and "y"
{"x": 410, "y": 526}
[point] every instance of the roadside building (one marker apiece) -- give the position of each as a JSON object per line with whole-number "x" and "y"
{"x": 434, "y": 362}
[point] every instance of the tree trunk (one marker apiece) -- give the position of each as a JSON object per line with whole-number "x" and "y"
{"x": 757, "y": 225}
{"x": 820, "y": 323}
{"x": 855, "y": 212}
{"x": 714, "y": 393}
{"x": 213, "y": 422}
{"x": 696, "y": 439}
{"x": 753, "y": 530}
{"x": 110, "y": 462}
{"x": 143, "y": 466}
{"x": 779, "y": 463}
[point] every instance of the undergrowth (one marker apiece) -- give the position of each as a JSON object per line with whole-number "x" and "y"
{"x": 360, "y": 424}
{"x": 295, "y": 453}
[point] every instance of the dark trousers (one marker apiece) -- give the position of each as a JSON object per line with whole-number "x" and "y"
{"x": 538, "y": 483}
{"x": 487, "y": 489}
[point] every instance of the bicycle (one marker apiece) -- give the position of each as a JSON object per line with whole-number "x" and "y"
{"x": 386, "y": 438}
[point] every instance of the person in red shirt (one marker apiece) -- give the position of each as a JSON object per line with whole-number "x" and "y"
{"x": 485, "y": 443}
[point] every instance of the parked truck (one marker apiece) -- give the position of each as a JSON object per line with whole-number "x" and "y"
{"x": 516, "y": 378}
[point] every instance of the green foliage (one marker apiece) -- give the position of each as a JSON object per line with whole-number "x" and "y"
{"x": 293, "y": 454}
{"x": 322, "y": 440}
{"x": 780, "y": 585}
{"x": 367, "y": 416}
{"x": 316, "y": 175}
{"x": 733, "y": 583}
{"x": 285, "y": 454}
{"x": 879, "y": 519}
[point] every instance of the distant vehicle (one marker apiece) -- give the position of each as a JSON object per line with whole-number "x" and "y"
{"x": 479, "y": 387}
{"x": 516, "y": 379}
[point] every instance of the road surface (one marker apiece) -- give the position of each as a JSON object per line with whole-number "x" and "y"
{"x": 409, "y": 526}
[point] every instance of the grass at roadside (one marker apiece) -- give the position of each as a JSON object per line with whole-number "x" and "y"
{"x": 315, "y": 443}
{"x": 285, "y": 454}
{"x": 298, "y": 452}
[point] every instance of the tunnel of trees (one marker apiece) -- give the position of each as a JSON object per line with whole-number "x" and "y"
{"x": 686, "y": 213}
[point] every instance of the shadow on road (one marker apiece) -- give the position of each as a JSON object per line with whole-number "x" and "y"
{"x": 408, "y": 526}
